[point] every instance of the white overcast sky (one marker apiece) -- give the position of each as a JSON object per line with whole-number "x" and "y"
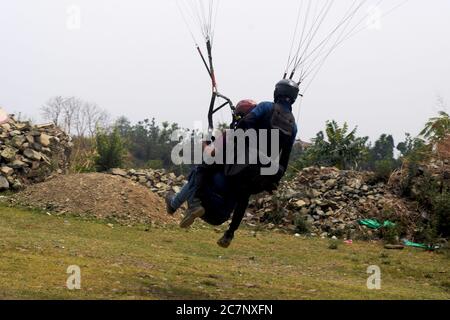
{"x": 136, "y": 58}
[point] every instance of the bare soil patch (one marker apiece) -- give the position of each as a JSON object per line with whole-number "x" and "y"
{"x": 96, "y": 195}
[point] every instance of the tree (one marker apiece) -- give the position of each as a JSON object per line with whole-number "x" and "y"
{"x": 71, "y": 108}
{"x": 110, "y": 150}
{"x": 80, "y": 121}
{"x": 411, "y": 146}
{"x": 124, "y": 126}
{"x": 75, "y": 115}
{"x": 381, "y": 158}
{"x": 151, "y": 142}
{"x": 95, "y": 118}
{"x": 339, "y": 148}
{"x": 343, "y": 149}
{"x": 437, "y": 128}
{"x": 383, "y": 148}
{"x": 52, "y": 109}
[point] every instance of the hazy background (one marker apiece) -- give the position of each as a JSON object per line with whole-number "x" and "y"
{"x": 136, "y": 58}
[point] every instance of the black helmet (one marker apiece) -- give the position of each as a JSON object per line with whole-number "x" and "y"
{"x": 286, "y": 89}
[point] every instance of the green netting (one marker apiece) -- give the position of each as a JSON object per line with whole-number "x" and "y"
{"x": 374, "y": 224}
{"x": 417, "y": 245}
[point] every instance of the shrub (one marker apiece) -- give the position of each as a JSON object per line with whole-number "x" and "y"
{"x": 333, "y": 245}
{"x": 83, "y": 155}
{"x": 441, "y": 206}
{"x": 276, "y": 216}
{"x": 383, "y": 169}
{"x": 302, "y": 225}
{"x": 391, "y": 235}
{"x": 110, "y": 150}
{"x": 155, "y": 164}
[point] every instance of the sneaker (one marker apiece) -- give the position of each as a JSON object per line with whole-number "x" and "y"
{"x": 170, "y": 210}
{"x": 225, "y": 241}
{"x": 190, "y": 216}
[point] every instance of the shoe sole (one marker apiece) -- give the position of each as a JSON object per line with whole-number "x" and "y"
{"x": 189, "y": 219}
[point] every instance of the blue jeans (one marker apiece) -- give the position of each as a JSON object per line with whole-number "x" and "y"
{"x": 187, "y": 193}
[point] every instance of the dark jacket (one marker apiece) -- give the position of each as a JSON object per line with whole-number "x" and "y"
{"x": 249, "y": 181}
{"x": 260, "y": 118}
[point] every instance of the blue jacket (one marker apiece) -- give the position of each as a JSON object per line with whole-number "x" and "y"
{"x": 260, "y": 118}
{"x": 262, "y": 114}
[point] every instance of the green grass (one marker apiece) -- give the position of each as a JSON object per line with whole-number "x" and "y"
{"x": 169, "y": 263}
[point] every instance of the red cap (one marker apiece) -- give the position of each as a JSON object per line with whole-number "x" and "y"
{"x": 244, "y": 107}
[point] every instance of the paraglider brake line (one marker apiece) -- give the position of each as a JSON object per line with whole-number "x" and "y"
{"x": 215, "y": 93}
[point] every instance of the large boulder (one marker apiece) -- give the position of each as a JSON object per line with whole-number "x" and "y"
{"x": 33, "y": 155}
{"x": 18, "y": 141}
{"x": 44, "y": 140}
{"x": 9, "y": 154}
{"x": 4, "y": 183}
{"x": 7, "y": 171}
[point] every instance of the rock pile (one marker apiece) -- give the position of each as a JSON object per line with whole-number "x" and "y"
{"x": 330, "y": 202}
{"x": 319, "y": 201}
{"x": 159, "y": 181}
{"x": 31, "y": 153}
{"x": 412, "y": 181}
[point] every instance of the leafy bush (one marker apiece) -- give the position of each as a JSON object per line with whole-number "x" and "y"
{"x": 383, "y": 169}
{"x": 110, "y": 150}
{"x": 155, "y": 164}
{"x": 302, "y": 225}
{"x": 275, "y": 217}
{"x": 149, "y": 144}
{"x": 333, "y": 245}
{"x": 441, "y": 206}
{"x": 83, "y": 155}
{"x": 391, "y": 235}
{"x": 437, "y": 128}
{"x": 429, "y": 192}
{"x": 338, "y": 146}
{"x": 421, "y": 184}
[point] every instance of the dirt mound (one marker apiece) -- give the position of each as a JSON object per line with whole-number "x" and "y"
{"x": 96, "y": 195}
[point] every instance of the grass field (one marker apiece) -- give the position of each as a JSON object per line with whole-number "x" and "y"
{"x": 167, "y": 263}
